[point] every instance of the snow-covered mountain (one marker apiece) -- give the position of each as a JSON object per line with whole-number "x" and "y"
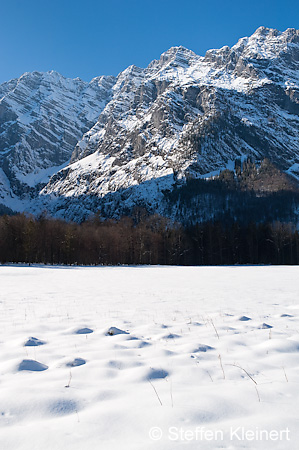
{"x": 131, "y": 137}
{"x": 42, "y": 116}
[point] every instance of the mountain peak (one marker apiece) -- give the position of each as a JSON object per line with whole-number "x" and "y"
{"x": 177, "y": 49}
{"x": 264, "y": 31}
{"x": 175, "y": 56}
{"x": 266, "y": 43}
{"x": 177, "y": 53}
{"x": 289, "y": 33}
{"x": 135, "y": 135}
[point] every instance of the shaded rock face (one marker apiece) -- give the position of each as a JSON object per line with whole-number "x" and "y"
{"x": 42, "y": 116}
{"x": 182, "y": 116}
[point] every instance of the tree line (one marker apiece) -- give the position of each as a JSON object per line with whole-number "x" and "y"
{"x": 250, "y": 192}
{"x": 144, "y": 239}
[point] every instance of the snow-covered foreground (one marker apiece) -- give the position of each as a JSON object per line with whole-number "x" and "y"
{"x": 198, "y": 365}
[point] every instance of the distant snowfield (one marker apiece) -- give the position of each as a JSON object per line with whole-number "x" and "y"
{"x": 149, "y": 358}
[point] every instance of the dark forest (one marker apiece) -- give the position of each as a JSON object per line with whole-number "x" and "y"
{"x": 144, "y": 240}
{"x": 252, "y": 220}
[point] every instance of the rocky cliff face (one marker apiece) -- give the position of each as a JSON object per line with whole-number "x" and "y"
{"x": 42, "y": 116}
{"x": 183, "y": 116}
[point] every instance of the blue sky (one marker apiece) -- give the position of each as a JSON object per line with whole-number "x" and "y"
{"x": 88, "y": 38}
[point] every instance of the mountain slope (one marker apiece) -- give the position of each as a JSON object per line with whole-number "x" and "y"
{"x": 183, "y": 116}
{"x": 42, "y": 116}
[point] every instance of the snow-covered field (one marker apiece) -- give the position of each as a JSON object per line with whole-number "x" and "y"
{"x": 198, "y": 365}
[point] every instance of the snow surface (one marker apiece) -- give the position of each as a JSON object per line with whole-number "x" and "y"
{"x": 39, "y": 175}
{"x": 126, "y": 349}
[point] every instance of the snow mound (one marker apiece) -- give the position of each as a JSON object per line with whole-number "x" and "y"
{"x": 32, "y": 365}
{"x": 171, "y": 336}
{"x": 244, "y": 318}
{"x": 84, "y": 331}
{"x": 76, "y": 362}
{"x": 143, "y": 344}
{"x": 155, "y": 374}
{"x": 33, "y": 342}
{"x": 203, "y": 348}
{"x": 113, "y": 331}
{"x": 264, "y": 326}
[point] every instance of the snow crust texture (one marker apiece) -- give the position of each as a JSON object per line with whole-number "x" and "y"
{"x": 173, "y": 350}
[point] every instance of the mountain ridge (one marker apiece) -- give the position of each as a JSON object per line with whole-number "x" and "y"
{"x": 182, "y": 116}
